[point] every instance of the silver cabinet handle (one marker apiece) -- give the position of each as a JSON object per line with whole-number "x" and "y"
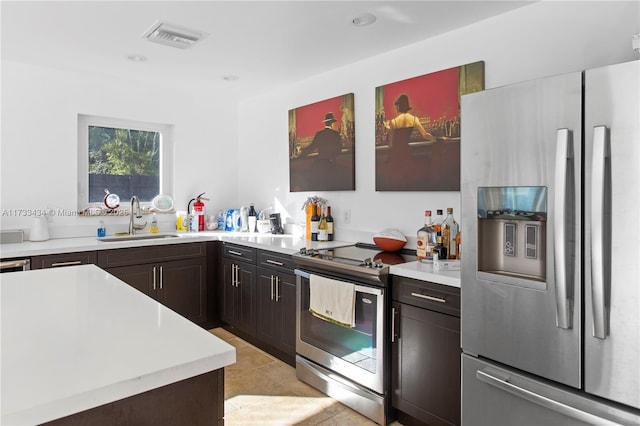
{"x": 237, "y": 253}
{"x": 277, "y": 288}
{"x": 69, "y": 263}
{"x": 271, "y": 287}
{"x": 235, "y": 275}
{"x": 161, "y": 276}
{"x": 433, "y": 299}
{"x": 394, "y": 313}
{"x": 598, "y": 214}
{"x": 154, "y": 277}
{"x": 274, "y": 262}
{"x": 541, "y": 400}
{"x": 564, "y": 300}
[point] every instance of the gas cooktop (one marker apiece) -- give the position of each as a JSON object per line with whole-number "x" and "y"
{"x": 360, "y": 259}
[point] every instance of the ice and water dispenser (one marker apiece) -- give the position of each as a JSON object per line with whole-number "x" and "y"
{"x": 512, "y": 229}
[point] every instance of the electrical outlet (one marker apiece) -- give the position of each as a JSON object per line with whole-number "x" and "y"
{"x": 346, "y": 217}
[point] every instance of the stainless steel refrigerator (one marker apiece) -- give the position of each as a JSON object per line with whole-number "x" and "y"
{"x": 551, "y": 250}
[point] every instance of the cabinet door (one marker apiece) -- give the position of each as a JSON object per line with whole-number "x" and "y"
{"x": 287, "y": 303}
{"x": 238, "y": 293}
{"x": 426, "y": 365}
{"x": 228, "y": 291}
{"x": 182, "y": 287}
{"x": 140, "y": 277}
{"x": 268, "y": 312}
{"x": 276, "y": 307}
{"x": 244, "y": 299}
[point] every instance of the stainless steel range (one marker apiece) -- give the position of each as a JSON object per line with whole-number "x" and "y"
{"x": 342, "y": 330}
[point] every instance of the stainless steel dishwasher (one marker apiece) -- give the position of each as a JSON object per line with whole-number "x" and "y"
{"x": 14, "y": 265}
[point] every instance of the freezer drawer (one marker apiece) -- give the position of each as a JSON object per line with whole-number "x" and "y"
{"x": 493, "y": 395}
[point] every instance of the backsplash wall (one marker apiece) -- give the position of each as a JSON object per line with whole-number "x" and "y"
{"x": 577, "y": 35}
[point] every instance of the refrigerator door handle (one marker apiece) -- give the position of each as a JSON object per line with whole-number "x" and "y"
{"x": 598, "y": 234}
{"x": 541, "y": 400}
{"x": 564, "y": 160}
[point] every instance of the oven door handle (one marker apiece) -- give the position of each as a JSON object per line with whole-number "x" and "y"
{"x": 357, "y": 286}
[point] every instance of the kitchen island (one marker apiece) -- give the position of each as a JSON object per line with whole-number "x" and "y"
{"x": 79, "y": 346}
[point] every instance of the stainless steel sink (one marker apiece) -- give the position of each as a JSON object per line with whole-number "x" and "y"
{"x": 129, "y": 237}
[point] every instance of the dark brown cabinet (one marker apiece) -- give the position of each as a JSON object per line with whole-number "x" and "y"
{"x": 63, "y": 259}
{"x": 276, "y": 303}
{"x": 425, "y": 352}
{"x": 238, "y": 287}
{"x": 174, "y": 275}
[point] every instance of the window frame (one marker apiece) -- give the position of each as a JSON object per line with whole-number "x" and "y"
{"x": 166, "y": 147}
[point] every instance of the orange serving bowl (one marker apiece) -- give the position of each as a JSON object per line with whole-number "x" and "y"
{"x": 390, "y": 240}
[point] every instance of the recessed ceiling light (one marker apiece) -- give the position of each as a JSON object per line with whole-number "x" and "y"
{"x": 230, "y": 77}
{"x": 173, "y": 35}
{"x": 137, "y": 58}
{"x": 363, "y": 20}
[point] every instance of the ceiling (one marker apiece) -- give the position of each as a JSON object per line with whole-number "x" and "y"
{"x": 263, "y": 43}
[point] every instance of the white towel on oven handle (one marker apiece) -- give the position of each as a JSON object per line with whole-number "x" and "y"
{"x": 332, "y": 300}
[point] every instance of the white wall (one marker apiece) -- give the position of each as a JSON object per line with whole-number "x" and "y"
{"x": 239, "y": 155}
{"x": 39, "y": 141}
{"x": 535, "y": 41}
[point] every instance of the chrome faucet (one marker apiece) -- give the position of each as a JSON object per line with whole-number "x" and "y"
{"x": 135, "y": 211}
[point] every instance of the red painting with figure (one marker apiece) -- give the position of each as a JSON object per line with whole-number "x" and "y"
{"x": 321, "y": 146}
{"x": 417, "y": 129}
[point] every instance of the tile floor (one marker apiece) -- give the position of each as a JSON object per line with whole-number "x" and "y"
{"x": 262, "y": 390}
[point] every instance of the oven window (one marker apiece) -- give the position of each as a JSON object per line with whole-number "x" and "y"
{"x": 356, "y": 345}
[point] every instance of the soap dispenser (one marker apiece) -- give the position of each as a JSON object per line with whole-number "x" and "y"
{"x": 154, "y": 225}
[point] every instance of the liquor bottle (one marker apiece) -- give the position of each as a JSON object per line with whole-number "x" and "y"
{"x": 252, "y": 218}
{"x": 449, "y": 230}
{"x": 315, "y": 221}
{"x": 330, "y": 224}
{"x": 458, "y": 245}
{"x": 437, "y": 221}
{"x": 426, "y": 239}
{"x": 439, "y": 251}
{"x": 323, "y": 228}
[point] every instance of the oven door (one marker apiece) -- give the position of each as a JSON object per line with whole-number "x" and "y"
{"x": 355, "y": 353}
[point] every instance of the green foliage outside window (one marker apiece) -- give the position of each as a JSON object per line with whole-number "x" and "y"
{"x": 123, "y": 151}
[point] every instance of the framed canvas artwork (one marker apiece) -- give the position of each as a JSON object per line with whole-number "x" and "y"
{"x": 321, "y": 146}
{"x": 417, "y": 129}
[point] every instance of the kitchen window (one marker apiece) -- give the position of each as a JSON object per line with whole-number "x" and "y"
{"x": 122, "y": 157}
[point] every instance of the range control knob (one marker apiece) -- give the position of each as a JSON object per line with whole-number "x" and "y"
{"x": 368, "y": 263}
{"x": 379, "y": 264}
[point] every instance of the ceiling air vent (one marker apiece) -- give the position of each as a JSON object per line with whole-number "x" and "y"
{"x": 173, "y": 35}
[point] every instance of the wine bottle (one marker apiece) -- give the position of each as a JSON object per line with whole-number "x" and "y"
{"x": 330, "y": 224}
{"x": 315, "y": 221}
{"x": 323, "y": 228}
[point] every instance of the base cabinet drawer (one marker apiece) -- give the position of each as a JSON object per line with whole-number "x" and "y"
{"x": 64, "y": 259}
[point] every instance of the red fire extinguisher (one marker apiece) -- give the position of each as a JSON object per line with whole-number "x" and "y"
{"x": 198, "y": 217}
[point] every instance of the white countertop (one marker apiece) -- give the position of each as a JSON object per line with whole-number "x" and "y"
{"x": 425, "y": 272}
{"x": 76, "y": 338}
{"x": 286, "y": 244}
